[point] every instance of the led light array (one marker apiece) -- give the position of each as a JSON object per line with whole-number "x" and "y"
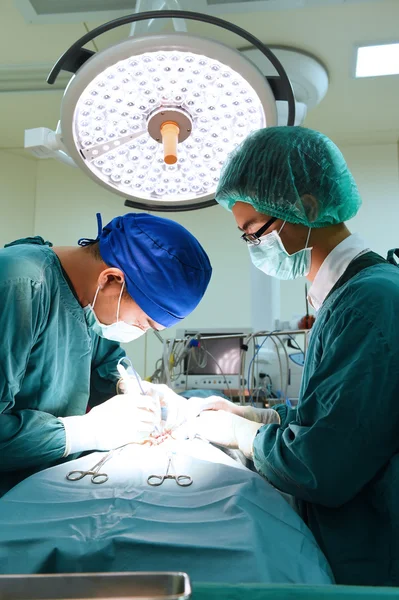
{"x": 110, "y": 122}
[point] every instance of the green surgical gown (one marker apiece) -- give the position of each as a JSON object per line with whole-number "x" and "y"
{"x": 51, "y": 364}
{"x": 337, "y": 452}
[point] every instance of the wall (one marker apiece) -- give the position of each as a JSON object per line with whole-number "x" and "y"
{"x": 67, "y": 202}
{"x": 17, "y": 196}
{"x": 376, "y": 171}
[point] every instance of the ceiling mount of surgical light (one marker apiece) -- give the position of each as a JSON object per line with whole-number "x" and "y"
{"x": 154, "y": 118}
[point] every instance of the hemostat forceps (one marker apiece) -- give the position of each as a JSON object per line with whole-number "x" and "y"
{"x": 96, "y": 476}
{"x": 182, "y": 480}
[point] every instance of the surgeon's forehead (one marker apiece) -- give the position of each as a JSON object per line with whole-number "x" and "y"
{"x": 246, "y": 216}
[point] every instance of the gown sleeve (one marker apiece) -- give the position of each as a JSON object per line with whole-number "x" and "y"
{"x": 28, "y": 438}
{"x": 345, "y": 427}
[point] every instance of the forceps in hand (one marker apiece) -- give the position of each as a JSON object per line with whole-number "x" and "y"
{"x": 182, "y": 480}
{"x": 96, "y": 476}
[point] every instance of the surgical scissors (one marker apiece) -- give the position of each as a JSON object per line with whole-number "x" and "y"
{"x": 96, "y": 476}
{"x": 182, "y": 480}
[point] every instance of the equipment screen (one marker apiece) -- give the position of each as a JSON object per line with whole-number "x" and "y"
{"x": 223, "y": 358}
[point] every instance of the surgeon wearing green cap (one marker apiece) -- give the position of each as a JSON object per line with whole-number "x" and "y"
{"x": 336, "y": 453}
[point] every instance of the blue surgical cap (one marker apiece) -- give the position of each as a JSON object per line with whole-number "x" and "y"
{"x": 166, "y": 269}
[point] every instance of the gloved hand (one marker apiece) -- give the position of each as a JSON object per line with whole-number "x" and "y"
{"x": 258, "y": 415}
{"x": 228, "y": 430}
{"x": 122, "y": 419}
{"x": 178, "y": 409}
{"x": 132, "y": 384}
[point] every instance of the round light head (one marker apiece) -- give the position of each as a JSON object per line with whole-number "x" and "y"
{"x": 107, "y": 116}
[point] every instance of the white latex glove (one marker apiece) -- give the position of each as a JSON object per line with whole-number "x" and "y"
{"x": 258, "y": 415}
{"x": 228, "y": 430}
{"x": 131, "y": 384}
{"x": 179, "y": 410}
{"x": 122, "y": 419}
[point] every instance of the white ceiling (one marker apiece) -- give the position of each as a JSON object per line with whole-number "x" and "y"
{"x": 353, "y": 111}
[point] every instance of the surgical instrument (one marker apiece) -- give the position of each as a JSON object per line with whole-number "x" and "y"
{"x": 129, "y": 387}
{"x": 182, "y": 480}
{"x": 96, "y": 476}
{"x": 124, "y": 373}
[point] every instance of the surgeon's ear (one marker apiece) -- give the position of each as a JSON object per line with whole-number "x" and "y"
{"x": 110, "y": 280}
{"x": 310, "y": 206}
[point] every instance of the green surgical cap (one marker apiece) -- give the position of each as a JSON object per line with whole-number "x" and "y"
{"x": 291, "y": 173}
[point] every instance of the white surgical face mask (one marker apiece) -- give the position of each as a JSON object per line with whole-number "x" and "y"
{"x": 272, "y": 258}
{"x": 118, "y": 331}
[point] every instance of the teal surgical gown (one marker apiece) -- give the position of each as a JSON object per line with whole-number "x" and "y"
{"x": 337, "y": 452}
{"x": 51, "y": 364}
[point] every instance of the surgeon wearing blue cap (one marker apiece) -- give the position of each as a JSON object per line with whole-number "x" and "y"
{"x": 65, "y": 311}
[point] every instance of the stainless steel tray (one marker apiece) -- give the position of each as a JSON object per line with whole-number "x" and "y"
{"x": 87, "y": 586}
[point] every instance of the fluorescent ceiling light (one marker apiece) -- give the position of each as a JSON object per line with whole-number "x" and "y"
{"x": 373, "y": 61}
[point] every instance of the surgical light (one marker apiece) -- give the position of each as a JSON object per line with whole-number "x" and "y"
{"x": 154, "y": 118}
{"x": 198, "y": 106}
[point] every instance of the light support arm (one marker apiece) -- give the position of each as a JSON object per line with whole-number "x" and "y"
{"x": 46, "y": 143}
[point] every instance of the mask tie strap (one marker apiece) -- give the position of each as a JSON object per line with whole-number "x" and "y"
{"x": 95, "y": 296}
{"x": 281, "y": 228}
{"x": 119, "y": 302}
{"x": 307, "y": 240}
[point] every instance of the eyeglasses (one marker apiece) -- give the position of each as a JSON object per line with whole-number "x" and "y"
{"x": 254, "y": 238}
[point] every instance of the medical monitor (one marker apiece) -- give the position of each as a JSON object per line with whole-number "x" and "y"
{"x": 221, "y": 356}
{"x": 215, "y": 362}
